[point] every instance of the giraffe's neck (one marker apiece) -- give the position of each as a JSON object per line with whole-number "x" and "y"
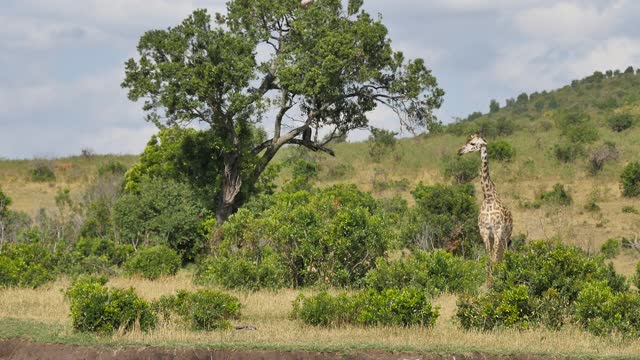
{"x": 488, "y": 188}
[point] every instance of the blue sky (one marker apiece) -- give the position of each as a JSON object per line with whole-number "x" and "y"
{"x": 61, "y": 61}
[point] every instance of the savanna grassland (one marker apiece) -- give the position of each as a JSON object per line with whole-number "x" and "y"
{"x": 532, "y": 124}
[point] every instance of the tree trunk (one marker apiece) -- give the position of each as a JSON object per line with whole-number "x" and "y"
{"x": 231, "y": 185}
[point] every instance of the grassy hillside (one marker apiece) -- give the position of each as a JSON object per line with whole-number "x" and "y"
{"x": 531, "y": 123}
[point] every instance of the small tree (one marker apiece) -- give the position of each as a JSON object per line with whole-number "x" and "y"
{"x": 494, "y": 106}
{"x": 621, "y": 122}
{"x": 630, "y": 180}
{"x": 381, "y": 143}
{"x": 319, "y": 67}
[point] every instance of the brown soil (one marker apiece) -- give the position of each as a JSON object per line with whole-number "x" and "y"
{"x": 21, "y": 350}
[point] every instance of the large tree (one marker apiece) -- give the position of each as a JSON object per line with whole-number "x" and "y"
{"x": 320, "y": 68}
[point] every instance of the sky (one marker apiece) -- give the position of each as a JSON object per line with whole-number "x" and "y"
{"x": 62, "y": 61}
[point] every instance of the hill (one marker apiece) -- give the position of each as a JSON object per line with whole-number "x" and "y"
{"x": 542, "y": 128}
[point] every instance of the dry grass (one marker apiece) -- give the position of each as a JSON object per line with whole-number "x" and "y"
{"x": 268, "y": 311}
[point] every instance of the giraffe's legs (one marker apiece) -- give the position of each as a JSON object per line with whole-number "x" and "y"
{"x": 485, "y": 233}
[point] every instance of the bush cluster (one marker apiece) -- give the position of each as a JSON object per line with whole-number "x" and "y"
{"x": 42, "y": 172}
{"x": 434, "y": 272}
{"x": 444, "y": 217}
{"x": 611, "y": 248}
{"x": 97, "y": 308}
{"x": 389, "y": 307}
{"x": 621, "y": 122}
{"x": 602, "y": 311}
{"x": 96, "y": 256}
{"x": 501, "y": 150}
{"x": 153, "y": 262}
{"x": 330, "y": 236}
{"x": 630, "y": 180}
{"x": 539, "y": 284}
{"x": 26, "y": 265}
{"x": 201, "y": 310}
{"x": 461, "y": 170}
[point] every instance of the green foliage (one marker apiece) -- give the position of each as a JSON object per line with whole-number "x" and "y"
{"x": 505, "y": 127}
{"x": 545, "y": 265}
{"x": 611, "y": 248}
{"x": 331, "y": 235}
{"x": 209, "y": 72}
{"x": 201, "y": 310}
{"x": 42, "y": 172}
{"x": 636, "y": 277}
{"x": 460, "y": 169}
{"x": 303, "y": 173}
{"x": 153, "y": 262}
{"x": 238, "y": 271}
{"x": 557, "y": 196}
{"x": 630, "y": 180}
{"x": 568, "y": 152}
{"x": 389, "y": 307}
{"x": 576, "y": 126}
{"x": 96, "y": 308}
{"x": 5, "y": 202}
{"x": 434, "y": 272}
{"x": 501, "y": 150}
{"x": 494, "y": 106}
{"x": 381, "y": 142}
{"x": 630, "y": 210}
{"x": 444, "y": 217}
{"x": 602, "y": 311}
{"x": 112, "y": 168}
{"x": 172, "y": 219}
{"x": 27, "y": 265}
{"x": 621, "y": 122}
{"x": 96, "y": 256}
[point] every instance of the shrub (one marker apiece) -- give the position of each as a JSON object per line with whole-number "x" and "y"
{"x": 42, "y": 172}
{"x": 505, "y": 127}
{"x": 96, "y": 308}
{"x": 545, "y": 265}
{"x": 201, "y": 310}
{"x": 153, "y": 262}
{"x": 238, "y": 271}
{"x": 381, "y": 143}
{"x": 434, "y": 272}
{"x": 444, "y": 217}
{"x": 558, "y": 196}
{"x": 390, "y": 307}
{"x": 26, "y": 265}
{"x": 621, "y": 122}
{"x": 568, "y": 152}
{"x": 501, "y": 150}
{"x": 602, "y": 155}
{"x": 611, "y": 248}
{"x": 462, "y": 169}
{"x": 575, "y": 126}
{"x": 172, "y": 219}
{"x": 630, "y": 180}
{"x": 112, "y": 167}
{"x": 96, "y": 256}
{"x": 602, "y": 311}
{"x": 332, "y": 235}
{"x": 630, "y": 210}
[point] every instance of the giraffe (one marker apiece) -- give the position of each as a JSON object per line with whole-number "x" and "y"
{"x": 494, "y": 221}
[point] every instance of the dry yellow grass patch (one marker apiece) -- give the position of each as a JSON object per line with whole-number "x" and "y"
{"x": 269, "y": 311}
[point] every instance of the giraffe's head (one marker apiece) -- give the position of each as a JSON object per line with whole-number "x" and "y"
{"x": 475, "y": 143}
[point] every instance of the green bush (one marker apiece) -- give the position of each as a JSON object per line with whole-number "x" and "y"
{"x": 568, "y": 152}
{"x": 621, "y": 122}
{"x": 557, "y": 196}
{"x": 112, "y": 167}
{"x": 201, "y": 310}
{"x": 153, "y": 262}
{"x": 238, "y": 271}
{"x": 96, "y": 256}
{"x": 381, "y": 143}
{"x": 42, "y": 172}
{"x": 630, "y": 210}
{"x": 444, "y": 217}
{"x": 332, "y": 235}
{"x": 434, "y": 272}
{"x": 27, "y": 265}
{"x": 630, "y": 180}
{"x": 602, "y": 311}
{"x": 462, "y": 169}
{"x": 636, "y": 277}
{"x": 501, "y": 150}
{"x": 172, "y": 219}
{"x": 96, "y": 308}
{"x": 390, "y": 307}
{"x": 576, "y": 126}
{"x": 611, "y": 248}
{"x": 543, "y": 265}
{"x": 513, "y": 307}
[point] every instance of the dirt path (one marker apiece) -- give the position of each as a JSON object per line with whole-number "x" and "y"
{"x": 21, "y": 350}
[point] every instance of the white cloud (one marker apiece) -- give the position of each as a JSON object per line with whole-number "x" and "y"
{"x": 567, "y": 21}
{"x": 615, "y": 53}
